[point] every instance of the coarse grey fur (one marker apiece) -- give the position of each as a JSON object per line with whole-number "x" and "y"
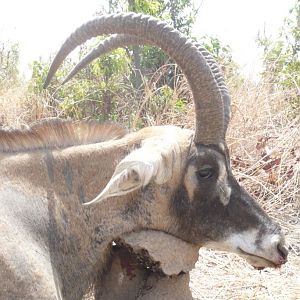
{"x": 162, "y": 178}
{"x": 51, "y": 245}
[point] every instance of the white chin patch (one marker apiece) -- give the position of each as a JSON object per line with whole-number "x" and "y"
{"x": 260, "y": 253}
{"x": 244, "y": 240}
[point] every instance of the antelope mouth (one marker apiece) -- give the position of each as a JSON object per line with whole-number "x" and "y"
{"x": 256, "y": 261}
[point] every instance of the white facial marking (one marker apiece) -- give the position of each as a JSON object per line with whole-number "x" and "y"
{"x": 221, "y": 145}
{"x": 201, "y": 153}
{"x": 243, "y": 240}
{"x": 190, "y": 181}
{"x": 258, "y": 253}
{"x": 224, "y": 188}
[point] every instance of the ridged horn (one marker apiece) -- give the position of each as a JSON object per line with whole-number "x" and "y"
{"x": 221, "y": 84}
{"x": 210, "y": 127}
{"x": 107, "y": 45}
{"x": 124, "y": 40}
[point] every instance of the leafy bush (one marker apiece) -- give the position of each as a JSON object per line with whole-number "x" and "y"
{"x": 129, "y": 85}
{"x": 92, "y": 92}
{"x": 282, "y": 56}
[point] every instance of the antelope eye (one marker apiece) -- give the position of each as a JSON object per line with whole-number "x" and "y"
{"x": 206, "y": 173}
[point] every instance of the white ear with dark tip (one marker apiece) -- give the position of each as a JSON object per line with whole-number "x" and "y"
{"x": 154, "y": 160}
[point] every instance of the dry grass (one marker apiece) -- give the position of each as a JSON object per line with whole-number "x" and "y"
{"x": 226, "y": 276}
{"x": 265, "y": 149}
{"x": 264, "y": 140}
{"x": 19, "y": 108}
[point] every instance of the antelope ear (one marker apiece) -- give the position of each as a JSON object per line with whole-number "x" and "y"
{"x": 155, "y": 160}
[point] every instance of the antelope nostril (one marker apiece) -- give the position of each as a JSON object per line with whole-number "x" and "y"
{"x": 282, "y": 250}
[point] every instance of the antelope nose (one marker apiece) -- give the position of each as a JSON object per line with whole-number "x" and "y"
{"x": 283, "y": 253}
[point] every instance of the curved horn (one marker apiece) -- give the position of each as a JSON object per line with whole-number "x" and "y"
{"x": 207, "y": 96}
{"x": 124, "y": 40}
{"x": 107, "y": 45}
{"x": 221, "y": 84}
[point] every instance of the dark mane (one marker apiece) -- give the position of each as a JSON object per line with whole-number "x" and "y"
{"x": 55, "y": 134}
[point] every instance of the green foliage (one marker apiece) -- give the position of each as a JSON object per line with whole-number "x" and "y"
{"x": 165, "y": 99}
{"x": 164, "y": 96}
{"x": 142, "y": 80}
{"x": 92, "y": 93}
{"x": 39, "y": 73}
{"x": 282, "y": 56}
{"x": 182, "y": 13}
{"x": 180, "y": 105}
{"x": 9, "y": 60}
{"x": 147, "y": 60}
{"x": 223, "y": 56}
{"x": 152, "y": 59}
{"x": 152, "y": 8}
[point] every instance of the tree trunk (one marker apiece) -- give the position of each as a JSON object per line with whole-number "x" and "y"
{"x": 137, "y": 74}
